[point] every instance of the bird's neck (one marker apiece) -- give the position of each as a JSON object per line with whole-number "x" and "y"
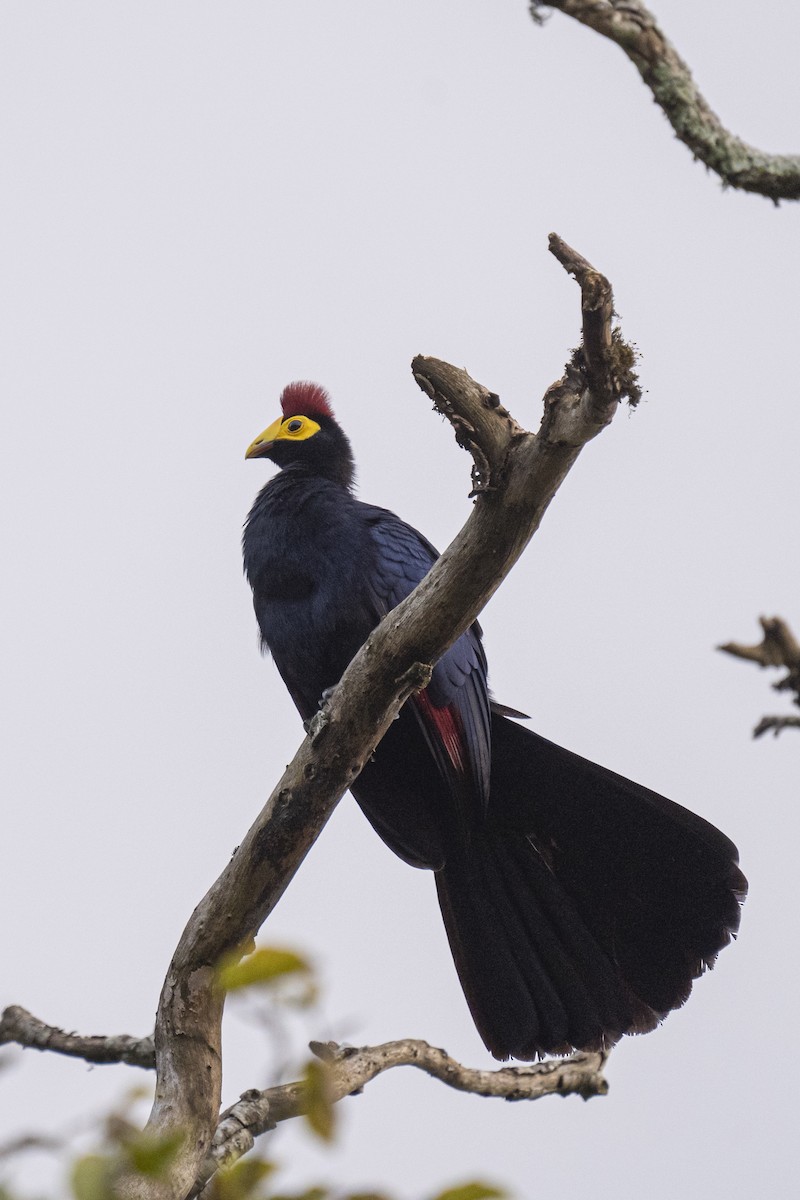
{"x": 339, "y": 470}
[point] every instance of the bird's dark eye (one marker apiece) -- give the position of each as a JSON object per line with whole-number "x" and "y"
{"x": 293, "y": 426}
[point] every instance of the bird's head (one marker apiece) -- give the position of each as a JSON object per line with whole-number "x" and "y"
{"x": 307, "y": 434}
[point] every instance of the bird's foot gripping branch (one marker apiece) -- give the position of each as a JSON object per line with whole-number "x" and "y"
{"x": 579, "y": 905}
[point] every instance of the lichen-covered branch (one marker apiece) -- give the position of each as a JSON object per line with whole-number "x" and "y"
{"x": 778, "y": 648}
{"x": 635, "y": 30}
{"x": 350, "y": 1069}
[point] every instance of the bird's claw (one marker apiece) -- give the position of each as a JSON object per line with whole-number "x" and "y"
{"x": 315, "y": 726}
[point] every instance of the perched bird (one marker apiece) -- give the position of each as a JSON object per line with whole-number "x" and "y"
{"x": 579, "y": 906}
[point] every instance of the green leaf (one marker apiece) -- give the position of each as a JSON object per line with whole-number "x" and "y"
{"x": 314, "y": 1193}
{"x": 473, "y": 1191}
{"x": 91, "y": 1178}
{"x": 318, "y": 1100}
{"x": 152, "y": 1156}
{"x": 264, "y": 966}
{"x": 240, "y": 1181}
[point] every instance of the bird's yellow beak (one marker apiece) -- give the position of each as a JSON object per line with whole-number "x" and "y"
{"x": 263, "y": 443}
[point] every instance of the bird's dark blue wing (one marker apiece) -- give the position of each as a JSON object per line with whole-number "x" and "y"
{"x": 454, "y": 709}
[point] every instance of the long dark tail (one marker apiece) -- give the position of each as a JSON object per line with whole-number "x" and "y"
{"x": 586, "y": 905}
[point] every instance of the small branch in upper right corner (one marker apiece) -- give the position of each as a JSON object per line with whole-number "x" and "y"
{"x": 635, "y": 30}
{"x": 778, "y": 648}
{"x": 775, "y": 725}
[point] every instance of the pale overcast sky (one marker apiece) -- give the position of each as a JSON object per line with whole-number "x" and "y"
{"x": 202, "y": 201}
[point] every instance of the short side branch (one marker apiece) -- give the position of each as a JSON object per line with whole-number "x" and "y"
{"x": 635, "y": 30}
{"x": 20, "y": 1026}
{"x": 605, "y": 359}
{"x": 774, "y": 725}
{"x": 481, "y": 424}
{"x": 778, "y": 648}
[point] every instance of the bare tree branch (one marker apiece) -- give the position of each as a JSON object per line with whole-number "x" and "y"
{"x": 635, "y": 30}
{"x": 481, "y": 424}
{"x": 29, "y": 1141}
{"x": 775, "y": 725}
{"x": 351, "y": 1069}
{"x": 20, "y": 1026}
{"x": 778, "y": 648}
{"x": 516, "y": 475}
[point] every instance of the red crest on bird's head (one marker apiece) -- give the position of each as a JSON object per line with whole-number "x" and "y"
{"x": 305, "y": 399}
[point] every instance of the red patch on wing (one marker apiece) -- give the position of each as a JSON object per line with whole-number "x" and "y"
{"x": 303, "y": 399}
{"x": 447, "y": 723}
